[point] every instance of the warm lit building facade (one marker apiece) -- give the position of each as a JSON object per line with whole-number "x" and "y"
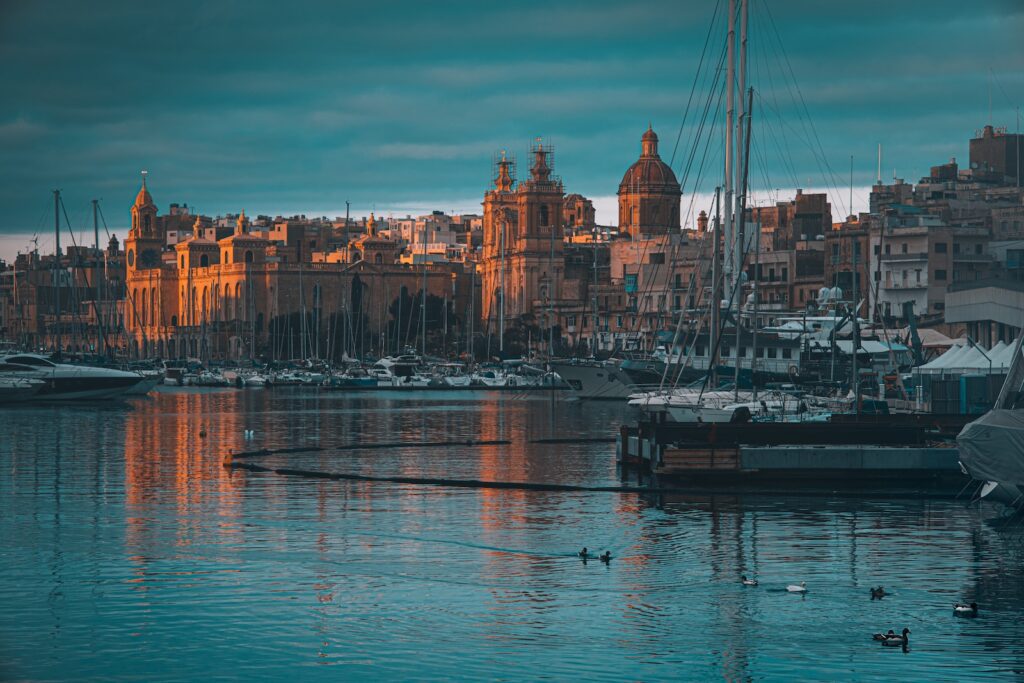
{"x": 247, "y": 296}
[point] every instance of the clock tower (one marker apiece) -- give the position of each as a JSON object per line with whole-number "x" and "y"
{"x": 142, "y": 248}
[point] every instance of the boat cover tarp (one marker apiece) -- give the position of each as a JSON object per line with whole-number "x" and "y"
{"x": 992, "y": 447}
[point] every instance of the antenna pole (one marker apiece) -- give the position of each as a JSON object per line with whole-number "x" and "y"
{"x": 851, "y": 185}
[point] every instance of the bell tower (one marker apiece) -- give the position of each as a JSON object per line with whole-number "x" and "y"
{"x": 523, "y": 233}
{"x": 145, "y": 239}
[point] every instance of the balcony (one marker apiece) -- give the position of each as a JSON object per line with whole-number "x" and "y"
{"x": 973, "y": 258}
{"x": 907, "y": 285}
{"x": 895, "y": 258}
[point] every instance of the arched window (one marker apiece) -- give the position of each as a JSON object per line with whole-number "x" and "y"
{"x": 152, "y": 307}
{"x": 183, "y": 262}
{"x": 148, "y": 222}
{"x": 379, "y": 258}
{"x": 248, "y": 256}
{"x": 544, "y": 215}
{"x": 227, "y": 257}
{"x": 204, "y": 261}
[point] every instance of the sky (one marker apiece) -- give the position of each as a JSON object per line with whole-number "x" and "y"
{"x": 294, "y": 107}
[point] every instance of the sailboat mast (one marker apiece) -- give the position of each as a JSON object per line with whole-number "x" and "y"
{"x": 56, "y": 266}
{"x": 730, "y": 115}
{"x": 97, "y": 305}
{"x": 423, "y": 297}
{"x": 501, "y": 287}
{"x": 716, "y": 297}
{"x": 739, "y": 245}
{"x": 741, "y": 212}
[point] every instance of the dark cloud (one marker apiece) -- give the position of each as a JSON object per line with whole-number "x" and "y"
{"x": 278, "y": 106}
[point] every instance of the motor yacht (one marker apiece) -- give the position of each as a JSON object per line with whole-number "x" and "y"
{"x": 65, "y": 382}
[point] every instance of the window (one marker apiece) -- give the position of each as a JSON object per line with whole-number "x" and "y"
{"x": 248, "y": 256}
{"x": 940, "y": 247}
{"x": 856, "y": 250}
{"x": 618, "y": 320}
{"x": 878, "y": 276}
{"x": 903, "y": 248}
{"x": 679, "y": 280}
{"x": 204, "y": 261}
{"x": 787, "y": 353}
{"x": 657, "y": 258}
{"x": 878, "y": 249}
{"x": 785, "y": 274}
{"x": 773, "y": 352}
{"x": 543, "y": 215}
{"x": 570, "y": 321}
{"x": 835, "y": 254}
{"x": 940, "y": 275}
{"x": 917, "y": 272}
{"x": 183, "y": 262}
{"x": 888, "y": 249}
{"x": 977, "y": 248}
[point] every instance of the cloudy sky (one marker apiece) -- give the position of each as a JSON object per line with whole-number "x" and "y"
{"x": 286, "y": 107}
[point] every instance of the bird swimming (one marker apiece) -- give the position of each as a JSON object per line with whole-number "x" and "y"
{"x": 877, "y": 593}
{"x": 584, "y": 553}
{"x": 607, "y": 557}
{"x": 970, "y": 610}
{"x": 897, "y": 640}
{"x": 748, "y": 582}
{"x": 884, "y": 636}
{"x": 802, "y": 588}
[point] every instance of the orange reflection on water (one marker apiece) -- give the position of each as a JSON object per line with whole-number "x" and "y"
{"x": 174, "y": 477}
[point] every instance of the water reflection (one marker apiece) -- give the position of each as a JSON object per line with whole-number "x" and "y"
{"x": 132, "y": 553}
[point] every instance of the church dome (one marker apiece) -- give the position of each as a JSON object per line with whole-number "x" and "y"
{"x": 649, "y": 174}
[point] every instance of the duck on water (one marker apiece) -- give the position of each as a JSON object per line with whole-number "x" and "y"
{"x": 895, "y": 640}
{"x": 970, "y": 610}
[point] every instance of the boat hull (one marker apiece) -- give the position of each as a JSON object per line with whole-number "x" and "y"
{"x": 596, "y": 381}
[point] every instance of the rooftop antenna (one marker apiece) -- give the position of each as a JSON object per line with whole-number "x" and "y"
{"x": 991, "y": 76}
{"x": 144, "y": 174}
{"x": 879, "y": 180}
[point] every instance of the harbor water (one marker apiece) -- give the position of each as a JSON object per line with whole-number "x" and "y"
{"x": 128, "y": 552}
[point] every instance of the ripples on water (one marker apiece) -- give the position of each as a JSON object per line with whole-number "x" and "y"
{"x": 128, "y": 552}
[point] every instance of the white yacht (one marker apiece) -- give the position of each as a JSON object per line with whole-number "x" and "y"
{"x": 65, "y": 382}
{"x": 595, "y": 379}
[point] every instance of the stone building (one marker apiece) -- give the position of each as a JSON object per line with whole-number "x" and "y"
{"x": 521, "y": 262}
{"x": 247, "y": 295}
